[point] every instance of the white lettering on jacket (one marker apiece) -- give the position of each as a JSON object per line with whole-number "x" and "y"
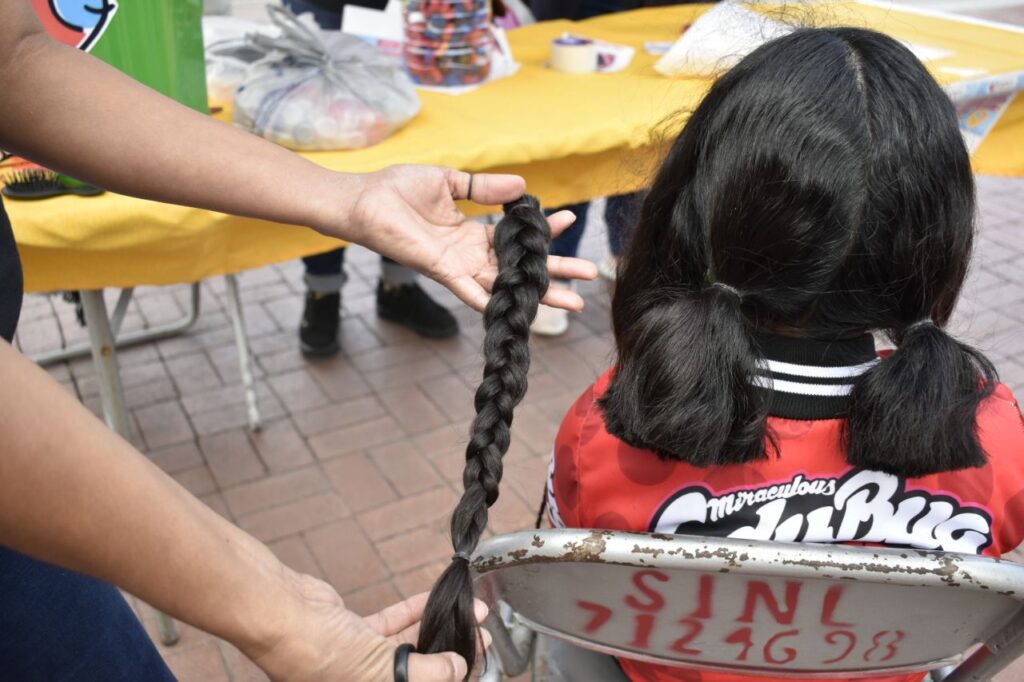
{"x": 861, "y": 506}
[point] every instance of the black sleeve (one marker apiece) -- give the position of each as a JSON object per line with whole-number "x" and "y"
{"x": 10, "y": 279}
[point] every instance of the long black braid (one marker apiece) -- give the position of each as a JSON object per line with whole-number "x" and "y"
{"x": 521, "y": 241}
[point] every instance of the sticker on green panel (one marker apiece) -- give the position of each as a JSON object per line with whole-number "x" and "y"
{"x": 157, "y": 42}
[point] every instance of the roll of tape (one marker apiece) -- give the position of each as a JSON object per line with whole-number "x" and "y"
{"x": 570, "y": 54}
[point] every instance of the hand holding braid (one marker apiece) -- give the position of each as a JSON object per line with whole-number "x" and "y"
{"x": 521, "y": 243}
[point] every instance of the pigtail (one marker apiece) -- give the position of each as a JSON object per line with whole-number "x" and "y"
{"x": 521, "y": 242}
{"x": 684, "y": 384}
{"x": 914, "y": 413}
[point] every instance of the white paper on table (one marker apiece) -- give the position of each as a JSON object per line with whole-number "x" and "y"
{"x": 729, "y": 31}
{"x": 963, "y": 71}
{"x": 657, "y": 47}
{"x": 718, "y": 40}
{"x": 612, "y": 58}
{"x": 928, "y": 53}
{"x": 371, "y": 23}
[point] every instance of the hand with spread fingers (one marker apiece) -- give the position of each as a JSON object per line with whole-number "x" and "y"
{"x": 409, "y": 213}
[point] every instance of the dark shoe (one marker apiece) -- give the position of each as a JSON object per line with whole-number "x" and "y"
{"x": 318, "y": 332}
{"x": 410, "y": 306}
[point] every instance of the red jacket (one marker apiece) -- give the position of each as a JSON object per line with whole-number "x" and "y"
{"x": 806, "y": 493}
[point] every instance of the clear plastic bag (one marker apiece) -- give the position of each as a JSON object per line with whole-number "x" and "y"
{"x": 321, "y": 90}
{"x": 230, "y": 55}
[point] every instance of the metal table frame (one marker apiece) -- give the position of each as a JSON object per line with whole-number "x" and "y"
{"x": 95, "y": 310}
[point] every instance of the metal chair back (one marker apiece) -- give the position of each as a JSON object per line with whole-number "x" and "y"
{"x": 804, "y": 610}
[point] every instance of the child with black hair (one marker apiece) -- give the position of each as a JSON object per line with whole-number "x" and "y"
{"x": 821, "y": 194}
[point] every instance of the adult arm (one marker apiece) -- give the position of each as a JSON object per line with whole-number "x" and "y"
{"x": 70, "y": 111}
{"x": 75, "y": 494}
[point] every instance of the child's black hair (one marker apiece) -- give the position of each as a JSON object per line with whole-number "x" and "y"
{"x": 822, "y": 189}
{"x": 521, "y": 242}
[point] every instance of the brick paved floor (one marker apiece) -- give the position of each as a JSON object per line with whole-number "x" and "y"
{"x": 357, "y": 467}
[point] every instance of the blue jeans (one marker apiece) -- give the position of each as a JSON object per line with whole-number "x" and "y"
{"x": 620, "y": 215}
{"x": 330, "y": 21}
{"x": 60, "y": 626}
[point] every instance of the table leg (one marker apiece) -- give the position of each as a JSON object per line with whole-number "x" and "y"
{"x": 101, "y": 341}
{"x": 129, "y": 338}
{"x": 104, "y": 357}
{"x": 242, "y": 345}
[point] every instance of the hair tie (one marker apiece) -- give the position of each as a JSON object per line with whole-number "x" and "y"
{"x": 469, "y": 190}
{"x": 462, "y": 555}
{"x": 731, "y": 290}
{"x": 926, "y": 322}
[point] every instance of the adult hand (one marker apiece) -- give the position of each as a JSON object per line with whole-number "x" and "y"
{"x": 408, "y": 213}
{"x": 326, "y": 642}
{"x": 400, "y": 623}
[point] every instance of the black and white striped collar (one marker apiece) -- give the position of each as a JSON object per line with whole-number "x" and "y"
{"x": 807, "y": 379}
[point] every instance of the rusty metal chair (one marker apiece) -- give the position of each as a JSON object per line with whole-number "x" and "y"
{"x": 806, "y": 611}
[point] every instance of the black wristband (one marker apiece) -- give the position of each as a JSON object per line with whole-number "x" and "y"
{"x": 402, "y": 662}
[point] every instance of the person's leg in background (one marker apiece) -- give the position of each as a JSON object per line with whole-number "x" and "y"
{"x": 555, "y": 321}
{"x": 568, "y": 243}
{"x": 62, "y": 626}
{"x": 325, "y": 18}
{"x": 551, "y": 321}
{"x": 620, "y": 215}
{"x": 400, "y": 298}
{"x": 325, "y": 275}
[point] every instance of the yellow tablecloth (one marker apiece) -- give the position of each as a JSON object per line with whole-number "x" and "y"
{"x": 572, "y": 137}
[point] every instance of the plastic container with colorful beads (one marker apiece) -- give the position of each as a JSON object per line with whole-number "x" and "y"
{"x": 447, "y": 42}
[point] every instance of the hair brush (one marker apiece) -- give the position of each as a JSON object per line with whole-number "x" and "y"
{"x": 36, "y": 183}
